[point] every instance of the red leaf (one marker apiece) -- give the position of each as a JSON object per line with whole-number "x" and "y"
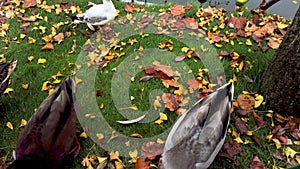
{"x": 29, "y": 3}
{"x": 141, "y": 163}
{"x": 177, "y": 10}
{"x": 129, "y": 8}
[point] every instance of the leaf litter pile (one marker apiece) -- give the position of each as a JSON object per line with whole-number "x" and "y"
{"x": 218, "y": 27}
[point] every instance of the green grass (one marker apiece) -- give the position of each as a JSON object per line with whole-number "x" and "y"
{"x": 21, "y": 103}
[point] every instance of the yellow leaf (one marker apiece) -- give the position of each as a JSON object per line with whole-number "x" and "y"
{"x": 238, "y": 140}
{"x": 84, "y": 135}
{"x": 133, "y": 154}
{"x": 46, "y": 86}
{"x": 163, "y": 116}
{"x": 185, "y": 49}
{"x": 41, "y": 61}
{"x": 247, "y": 141}
{"x": 22, "y": 36}
{"x": 8, "y": 90}
{"x": 290, "y": 152}
{"x": 23, "y": 123}
{"x": 297, "y": 143}
{"x": 25, "y": 86}
{"x": 119, "y": 165}
{"x": 132, "y": 79}
{"x": 248, "y": 42}
{"x": 30, "y": 58}
{"x": 159, "y": 121}
{"x": 277, "y": 143}
{"x": 56, "y": 81}
{"x": 141, "y": 48}
{"x": 77, "y": 80}
{"x": 114, "y": 155}
{"x": 101, "y": 159}
{"x": 9, "y": 125}
{"x": 134, "y": 107}
{"x": 218, "y": 45}
{"x": 100, "y": 136}
{"x": 281, "y": 25}
{"x": 258, "y": 100}
{"x": 160, "y": 141}
{"x": 31, "y": 40}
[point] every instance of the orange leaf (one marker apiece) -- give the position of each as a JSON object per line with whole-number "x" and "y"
{"x": 29, "y": 3}
{"x": 246, "y": 102}
{"x": 48, "y": 46}
{"x": 137, "y": 135}
{"x": 177, "y": 10}
{"x": 129, "y": 8}
{"x": 141, "y": 164}
{"x": 170, "y": 101}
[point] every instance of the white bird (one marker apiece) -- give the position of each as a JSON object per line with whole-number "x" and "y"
{"x": 198, "y": 135}
{"x": 98, "y": 14}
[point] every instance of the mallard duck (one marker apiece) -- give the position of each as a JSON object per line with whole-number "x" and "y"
{"x": 198, "y": 135}
{"x": 98, "y": 14}
{"x": 50, "y": 135}
{"x": 5, "y": 70}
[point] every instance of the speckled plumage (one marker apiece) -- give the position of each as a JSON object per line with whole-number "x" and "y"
{"x": 198, "y": 135}
{"x": 5, "y": 70}
{"x": 49, "y": 136}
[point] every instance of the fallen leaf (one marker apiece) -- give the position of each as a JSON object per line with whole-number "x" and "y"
{"x": 29, "y": 3}
{"x": 177, "y": 10}
{"x": 141, "y": 163}
{"x": 23, "y": 123}
{"x": 129, "y": 8}
{"x": 137, "y": 135}
{"x": 256, "y": 164}
{"x": 241, "y": 126}
{"x": 41, "y": 61}
{"x": 48, "y": 46}
{"x": 170, "y": 101}
{"x": 246, "y": 102}
{"x": 150, "y": 150}
{"x": 9, "y": 125}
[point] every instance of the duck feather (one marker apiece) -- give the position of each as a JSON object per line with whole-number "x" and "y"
{"x": 198, "y": 135}
{"x": 51, "y": 131}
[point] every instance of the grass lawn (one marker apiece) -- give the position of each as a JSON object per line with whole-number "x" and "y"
{"x": 22, "y": 101}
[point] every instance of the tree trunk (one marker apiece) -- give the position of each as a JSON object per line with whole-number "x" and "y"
{"x": 281, "y": 80}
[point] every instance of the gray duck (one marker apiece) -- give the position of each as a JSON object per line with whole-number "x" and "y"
{"x": 198, "y": 135}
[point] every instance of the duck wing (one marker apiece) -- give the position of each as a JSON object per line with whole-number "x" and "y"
{"x": 51, "y": 131}
{"x": 198, "y": 135}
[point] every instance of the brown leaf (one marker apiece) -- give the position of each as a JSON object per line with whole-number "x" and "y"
{"x": 99, "y": 93}
{"x": 48, "y": 46}
{"x": 246, "y": 102}
{"x": 224, "y": 53}
{"x": 259, "y": 120}
{"x": 27, "y": 19}
{"x": 141, "y": 163}
{"x": 86, "y": 33}
{"x": 256, "y": 164}
{"x": 243, "y": 113}
{"x": 193, "y": 83}
{"x": 256, "y": 140}
{"x": 231, "y": 150}
{"x": 67, "y": 5}
{"x": 150, "y": 150}
{"x": 177, "y": 10}
{"x": 278, "y": 156}
{"x": 241, "y": 126}
{"x": 170, "y": 101}
{"x": 190, "y": 23}
{"x": 59, "y": 37}
{"x": 29, "y": 3}
{"x": 237, "y": 22}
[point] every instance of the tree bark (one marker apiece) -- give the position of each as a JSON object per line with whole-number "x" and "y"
{"x": 281, "y": 80}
